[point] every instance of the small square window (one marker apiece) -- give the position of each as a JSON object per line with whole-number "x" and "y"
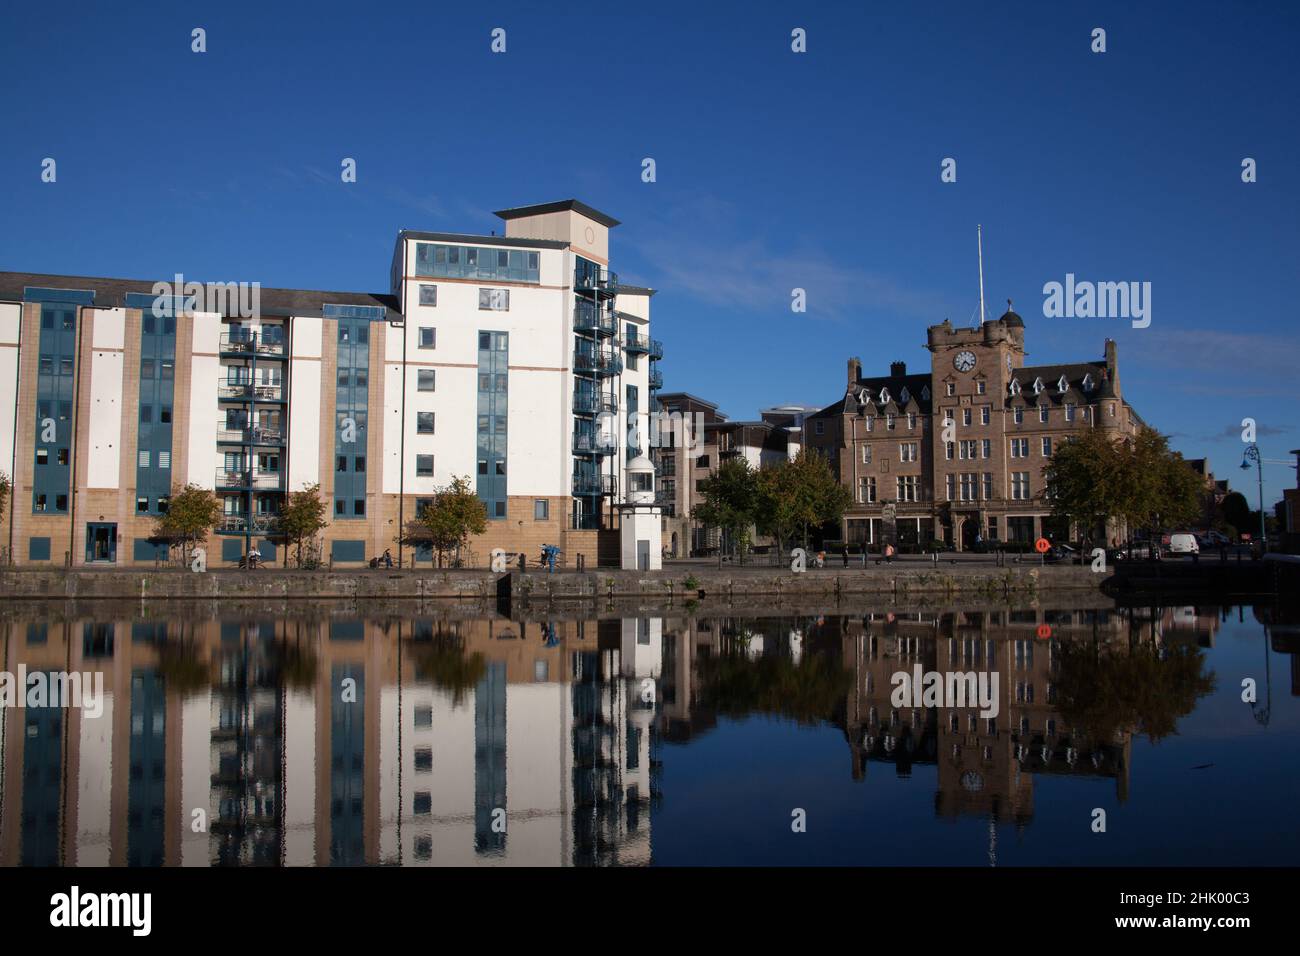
{"x": 142, "y": 505}
{"x": 501, "y": 509}
{"x": 424, "y": 423}
{"x": 359, "y": 506}
{"x": 429, "y": 295}
{"x": 42, "y": 456}
{"x": 60, "y": 502}
{"x": 63, "y": 456}
{"x": 426, "y": 380}
{"x": 428, "y": 337}
{"x": 541, "y": 509}
{"x": 359, "y": 465}
{"x": 342, "y": 464}
{"x": 424, "y": 465}
{"x": 165, "y": 414}
{"x": 340, "y": 507}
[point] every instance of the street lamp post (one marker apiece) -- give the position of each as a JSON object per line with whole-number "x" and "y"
{"x": 1252, "y": 454}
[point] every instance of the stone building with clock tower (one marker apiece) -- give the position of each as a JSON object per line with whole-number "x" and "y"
{"x": 957, "y": 453}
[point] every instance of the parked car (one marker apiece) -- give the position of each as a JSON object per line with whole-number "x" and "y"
{"x": 1183, "y": 542}
{"x": 1063, "y": 554}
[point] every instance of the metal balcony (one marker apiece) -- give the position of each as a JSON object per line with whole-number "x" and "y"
{"x": 656, "y": 350}
{"x": 593, "y": 485}
{"x": 584, "y": 444}
{"x": 596, "y": 363}
{"x": 589, "y": 403}
{"x": 251, "y": 344}
{"x": 249, "y": 391}
{"x": 599, "y": 282}
{"x": 248, "y": 480}
{"x": 243, "y": 524}
{"x": 638, "y": 344}
{"x": 656, "y": 378}
{"x": 250, "y": 436}
{"x": 588, "y": 317}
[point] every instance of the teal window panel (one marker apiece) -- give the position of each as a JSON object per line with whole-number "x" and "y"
{"x": 348, "y": 550}
{"x": 38, "y": 549}
{"x": 232, "y": 549}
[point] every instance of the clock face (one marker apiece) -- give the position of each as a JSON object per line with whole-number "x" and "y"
{"x": 964, "y": 362}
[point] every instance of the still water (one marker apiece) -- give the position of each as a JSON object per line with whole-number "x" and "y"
{"x": 413, "y": 736}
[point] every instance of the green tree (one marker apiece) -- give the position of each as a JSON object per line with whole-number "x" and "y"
{"x": 448, "y": 521}
{"x": 302, "y": 518}
{"x": 1084, "y": 479}
{"x": 1140, "y": 481}
{"x": 1160, "y": 490}
{"x": 730, "y": 501}
{"x": 191, "y": 514}
{"x": 799, "y": 494}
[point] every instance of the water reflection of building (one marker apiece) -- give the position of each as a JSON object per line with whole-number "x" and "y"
{"x": 985, "y": 765}
{"x": 335, "y": 742}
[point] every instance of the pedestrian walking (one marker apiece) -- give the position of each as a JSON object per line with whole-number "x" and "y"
{"x": 844, "y": 553}
{"x": 889, "y": 554}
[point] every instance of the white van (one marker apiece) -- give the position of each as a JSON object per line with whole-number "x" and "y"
{"x": 1183, "y": 542}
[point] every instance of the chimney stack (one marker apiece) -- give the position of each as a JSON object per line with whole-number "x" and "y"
{"x": 855, "y": 370}
{"x": 897, "y": 369}
{"x": 1112, "y": 364}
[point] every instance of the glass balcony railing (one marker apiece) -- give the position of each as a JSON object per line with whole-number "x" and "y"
{"x": 248, "y": 344}
{"x": 639, "y": 344}
{"x": 591, "y": 318}
{"x": 593, "y": 484}
{"x": 269, "y": 480}
{"x": 243, "y": 524}
{"x": 250, "y": 436}
{"x": 589, "y": 403}
{"x": 601, "y": 282}
{"x": 597, "y": 362}
{"x": 591, "y": 444}
{"x": 248, "y": 391}
{"x": 656, "y": 350}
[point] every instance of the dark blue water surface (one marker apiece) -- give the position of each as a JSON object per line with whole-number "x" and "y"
{"x": 424, "y": 735}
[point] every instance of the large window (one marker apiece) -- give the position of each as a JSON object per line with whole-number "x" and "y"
{"x": 494, "y": 300}
{"x": 476, "y": 262}
{"x": 907, "y": 486}
{"x": 1020, "y": 485}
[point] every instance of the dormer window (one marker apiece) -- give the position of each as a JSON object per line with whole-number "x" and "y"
{"x": 1087, "y": 382}
{"x": 951, "y": 388}
{"x": 904, "y": 397}
{"x": 1015, "y": 387}
{"x": 1062, "y": 385}
{"x": 884, "y": 396}
{"x": 1038, "y": 386}
{"x": 925, "y": 393}
{"x": 980, "y": 387}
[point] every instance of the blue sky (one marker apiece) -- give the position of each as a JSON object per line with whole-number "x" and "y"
{"x": 775, "y": 170}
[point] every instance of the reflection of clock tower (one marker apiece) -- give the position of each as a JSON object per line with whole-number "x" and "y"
{"x": 970, "y": 375}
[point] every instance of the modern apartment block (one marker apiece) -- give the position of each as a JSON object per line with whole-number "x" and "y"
{"x": 772, "y": 439}
{"x": 885, "y": 437}
{"x": 517, "y": 361}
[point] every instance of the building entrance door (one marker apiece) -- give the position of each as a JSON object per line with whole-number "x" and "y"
{"x": 643, "y": 555}
{"x": 101, "y": 542}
